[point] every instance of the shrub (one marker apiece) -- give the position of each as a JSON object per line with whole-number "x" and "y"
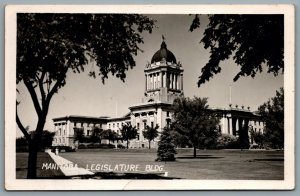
{"x": 228, "y": 142}
{"x": 121, "y": 146}
{"x": 166, "y": 148}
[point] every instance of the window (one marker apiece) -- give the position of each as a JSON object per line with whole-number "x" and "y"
{"x": 138, "y": 125}
{"x": 64, "y": 132}
{"x": 152, "y": 124}
{"x": 168, "y": 123}
{"x": 113, "y": 125}
{"x": 168, "y": 114}
{"x": 59, "y": 131}
{"x": 109, "y": 126}
{"x": 138, "y": 136}
{"x": 88, "y": 132}
{"x": 145, "y": 124}
{"x": 118, "y": 125}
{"x": 75, "y": 124}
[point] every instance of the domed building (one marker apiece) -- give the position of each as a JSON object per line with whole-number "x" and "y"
{"x": 163, "y": 84}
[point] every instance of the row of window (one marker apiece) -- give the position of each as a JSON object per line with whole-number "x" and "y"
{"x": 60, "y": 132}
{"x": 113, "y": 125}
{"x": 59, "y": 140}
{"x": 88, "y": 124}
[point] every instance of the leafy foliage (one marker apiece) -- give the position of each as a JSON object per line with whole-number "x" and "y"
{"x": 79, "y": 134}
{"x": 252, "y": 40}
{"x": 46, "y": 141}
{"x": 273, "y": 114}
{"x": 166, "y": 148}
{"x": 228, "y": 142}
{"x": 150, "y": 133}
{"x": 258, "y": 137}
{"x": 194, "y": 121}
{"x": 128, "y": 132}
{"x": 110, "y": 135}
{"x": 97, "y": 135}
{"x": 49, "y": 45}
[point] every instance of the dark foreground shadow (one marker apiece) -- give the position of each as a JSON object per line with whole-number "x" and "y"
{"x": 268, "y": 160}
{"x": 112, "y": 175}
{"x": 199, "y": 157}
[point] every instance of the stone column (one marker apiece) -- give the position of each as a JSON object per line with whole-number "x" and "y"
{"x": 224, "y": 124}
{"x": 151, "y": 81}
{"x": 181, "y": 75}
{"x": 146, "y": 82}
{"x": 170, "y": 83}
{"x": 229, "y": 125}
{"x": 164, "y": 79}
{"x": 157, "y": 80}
{"x": 175, "y": 81}
{"x": 161, "y": 79}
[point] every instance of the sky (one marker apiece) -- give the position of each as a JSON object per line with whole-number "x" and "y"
{"x": 83, "y": 95}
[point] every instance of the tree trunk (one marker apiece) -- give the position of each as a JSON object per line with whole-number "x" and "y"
{"x": 149, "y": 144}
{"x": 32, "y": 161}
{"x": 127, "y": 143}
{"x": 195, "y": 153}
{"x": 34, "y": 147}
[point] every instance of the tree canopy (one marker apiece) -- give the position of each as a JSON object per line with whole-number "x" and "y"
{"x": 150, "y": 133}
{"x": 51, "y": 44}
{"x": 128, "y": 132}
{"x": 273, "y": 115}
{"x": 252, "y": 41}
{"x": 194, "y": 121}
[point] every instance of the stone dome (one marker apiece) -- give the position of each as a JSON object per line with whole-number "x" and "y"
{"x": 163, "y": 53}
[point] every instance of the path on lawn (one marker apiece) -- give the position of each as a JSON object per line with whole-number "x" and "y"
{"x": 209, "y": 164}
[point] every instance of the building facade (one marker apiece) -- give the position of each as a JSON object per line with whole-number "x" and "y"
{"x": 163, "y": 84}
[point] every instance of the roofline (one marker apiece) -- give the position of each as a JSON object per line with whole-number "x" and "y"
{"x": 80, "y": 117}
{"x": 150, "y": 104}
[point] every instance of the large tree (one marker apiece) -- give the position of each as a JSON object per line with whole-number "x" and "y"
{"x": 252, "y": 41}
{"x": 166, "y": 148}
{"x": 194, "y": 120}
{"x": 150, "y": 133}
{"x": 273, "y": 114}
{"x": 128, "y": 133}
{"x": 50, "y": 45}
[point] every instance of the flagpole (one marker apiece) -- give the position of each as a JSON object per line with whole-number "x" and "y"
{"x": 230, "y": 93}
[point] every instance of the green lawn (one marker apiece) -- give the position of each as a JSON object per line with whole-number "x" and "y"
{"x": 21, "y": 166}
{"x": 209, "y": 164}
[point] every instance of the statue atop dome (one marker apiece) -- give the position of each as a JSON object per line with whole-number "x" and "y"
{"x": 163, "y": 54}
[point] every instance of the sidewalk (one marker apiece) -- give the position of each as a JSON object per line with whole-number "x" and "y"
{"x": 67, "y": 167}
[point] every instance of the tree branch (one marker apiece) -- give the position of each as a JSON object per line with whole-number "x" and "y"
{"x": 33, "y": 96}
{"x": 56, "y": 86}
{"x": 41, "y": 83}
{"x": 21, "y": 127}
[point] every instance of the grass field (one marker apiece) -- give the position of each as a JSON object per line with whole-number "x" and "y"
{"x": 21, "y": 166}
{"x": 209, "y": 164}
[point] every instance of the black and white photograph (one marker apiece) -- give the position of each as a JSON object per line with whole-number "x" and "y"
{"x": 149, "y": 97}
